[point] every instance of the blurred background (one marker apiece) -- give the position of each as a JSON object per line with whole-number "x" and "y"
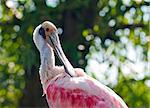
{"x": 109, "y": 39}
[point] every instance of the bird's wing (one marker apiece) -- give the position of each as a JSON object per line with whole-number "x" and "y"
{"x": 81, "y": 92}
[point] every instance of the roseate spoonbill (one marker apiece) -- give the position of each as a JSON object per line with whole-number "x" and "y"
{"x": 64, "y": 86}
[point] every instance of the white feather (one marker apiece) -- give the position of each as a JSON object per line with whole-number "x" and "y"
{"x": 48, "y": 70}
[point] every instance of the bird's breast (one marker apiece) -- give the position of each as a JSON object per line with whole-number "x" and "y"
{"x": 60, "y": 97}
{"x": 66, "y": 92}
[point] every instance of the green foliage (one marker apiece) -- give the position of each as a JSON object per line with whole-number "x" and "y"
{"x": 121, "y": 53}
{"x": 102, "y": 33}
{"x": 14, "y": 52}
{"x": 139, "y": 92}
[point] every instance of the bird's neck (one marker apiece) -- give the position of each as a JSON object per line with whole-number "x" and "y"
{"x": 47, "y": 56}
{"x": 48, "y": 70}
{"x": 47, "y": 64}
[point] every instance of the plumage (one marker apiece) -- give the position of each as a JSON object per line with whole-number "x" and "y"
{"x": 64, "y": 86}
{"x": 80, "y": 92}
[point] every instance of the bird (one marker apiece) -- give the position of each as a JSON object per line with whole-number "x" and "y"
{"x": 63, "y": 85}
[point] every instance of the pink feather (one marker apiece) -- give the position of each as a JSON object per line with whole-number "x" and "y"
{"x": 64, "y": 91}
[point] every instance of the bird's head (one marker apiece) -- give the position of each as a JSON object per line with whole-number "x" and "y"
{"x": 46, "y": 34}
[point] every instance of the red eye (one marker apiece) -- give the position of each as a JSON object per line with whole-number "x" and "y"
{"x": 47, "y": 29}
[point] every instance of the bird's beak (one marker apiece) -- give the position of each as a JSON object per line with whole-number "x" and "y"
{"x": 54, "y": 42}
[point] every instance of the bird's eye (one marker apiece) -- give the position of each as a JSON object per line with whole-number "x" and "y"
{"x": 47, "y": 29}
